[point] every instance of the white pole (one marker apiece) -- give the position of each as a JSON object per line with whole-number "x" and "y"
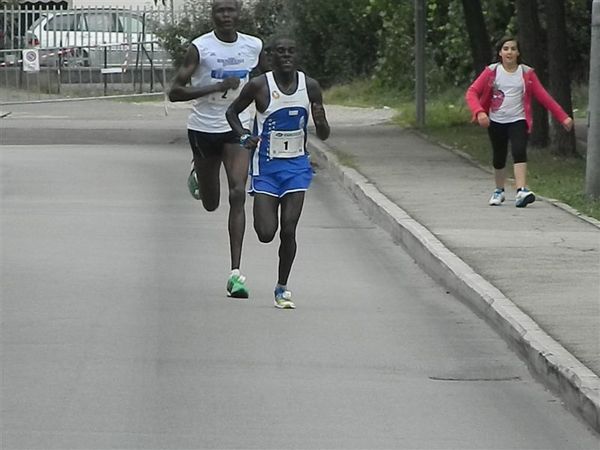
{"x": 592, "y": 175}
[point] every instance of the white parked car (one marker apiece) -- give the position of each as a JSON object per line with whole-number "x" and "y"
{"x": 80, "y": 36}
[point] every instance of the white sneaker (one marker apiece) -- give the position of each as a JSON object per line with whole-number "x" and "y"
{"x": 497, "y": 197}
{"x": 524, "y": 197}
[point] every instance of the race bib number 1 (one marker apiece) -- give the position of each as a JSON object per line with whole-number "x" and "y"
{"x": 286, "y": 144}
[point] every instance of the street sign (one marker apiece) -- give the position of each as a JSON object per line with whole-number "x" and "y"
{"x": 31, "y": 60}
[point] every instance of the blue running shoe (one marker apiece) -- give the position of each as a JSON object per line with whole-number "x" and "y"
{"x": 283, "y": 299}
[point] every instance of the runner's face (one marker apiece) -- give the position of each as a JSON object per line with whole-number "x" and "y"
{"x": 284, "y": 55}
{"x": 509, "y": 53}
{"x": 225, "y": 14}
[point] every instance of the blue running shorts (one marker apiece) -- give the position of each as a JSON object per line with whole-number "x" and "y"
{"x": 277, "y": 184}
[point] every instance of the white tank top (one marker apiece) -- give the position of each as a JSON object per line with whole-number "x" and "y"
{"x": 219, "y": 60}
{"x": 282, "y": 130}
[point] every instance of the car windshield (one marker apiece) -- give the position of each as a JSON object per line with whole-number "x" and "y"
{"x": 62, "y": 22}
{"x": 102, "y": 21}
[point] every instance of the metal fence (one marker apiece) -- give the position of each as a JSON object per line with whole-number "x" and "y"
{"x": 81, "y": 52}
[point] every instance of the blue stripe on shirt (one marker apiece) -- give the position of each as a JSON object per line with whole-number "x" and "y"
{"x": 222, "y": 74}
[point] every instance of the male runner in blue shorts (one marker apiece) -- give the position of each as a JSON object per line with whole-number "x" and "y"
{"x": 216, "y": 66}
{"x": 280, "y": 169}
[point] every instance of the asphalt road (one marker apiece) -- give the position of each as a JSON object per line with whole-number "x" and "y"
{"x": 116, "y": 332}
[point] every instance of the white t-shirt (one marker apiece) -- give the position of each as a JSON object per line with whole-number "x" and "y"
{"x": 219, "y": 60}
{"x": 507, "y": 96}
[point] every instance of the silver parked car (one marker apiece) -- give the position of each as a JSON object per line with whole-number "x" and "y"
{"x": 92, "y": 36}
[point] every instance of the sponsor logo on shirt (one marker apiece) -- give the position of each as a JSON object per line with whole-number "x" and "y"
{"x": 230, "y": 61}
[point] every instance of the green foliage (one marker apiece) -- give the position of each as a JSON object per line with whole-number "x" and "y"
{"x": 176, "y": 35}
{"x": 448, "y": 45}
{"x": 265, "y": 18}
{"x": 447, "y": 48}
{"x": 363, "y": 93}
{"x": 338, "y": 38}
{"x": 395, "y": 52}
{"x": 578, "y": 17}
{"x": 344, "y": 40}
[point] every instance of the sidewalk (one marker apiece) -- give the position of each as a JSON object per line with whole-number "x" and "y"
{"x": 534, "y": 273}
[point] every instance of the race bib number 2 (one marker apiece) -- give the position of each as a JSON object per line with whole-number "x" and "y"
{"x": 286, "y": 144}
{"x": 225, "y": 98}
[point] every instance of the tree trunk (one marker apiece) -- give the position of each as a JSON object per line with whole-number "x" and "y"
{"x": 478, "y": 35}
{"x": 559, "y": 81}
{"x": 532, "y": 53}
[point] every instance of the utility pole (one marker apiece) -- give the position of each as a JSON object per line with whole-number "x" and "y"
{"x": 592, "y": 174}
{"x": 420, "y": 26}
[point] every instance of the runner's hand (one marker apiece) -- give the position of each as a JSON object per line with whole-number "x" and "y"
{"x": 229, "y": 83}
{"x": 483, "y": 120}
{"x": 318, "y": 113}
{"x": 567, "y": 124}
{"x": 252, "y": 142}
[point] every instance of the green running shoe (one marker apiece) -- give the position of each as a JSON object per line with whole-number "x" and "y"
{"x": 236, "y": 285}
{"x": 283, "y": 299}
{"x": 192, "y": 183}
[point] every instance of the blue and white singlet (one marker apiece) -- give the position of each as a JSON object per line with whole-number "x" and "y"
{"x": 282, "y": 129}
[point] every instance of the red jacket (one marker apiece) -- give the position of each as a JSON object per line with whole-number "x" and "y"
{"x": 479, "y": 94}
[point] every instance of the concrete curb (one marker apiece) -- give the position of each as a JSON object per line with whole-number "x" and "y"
{"x": 558, "y": 369}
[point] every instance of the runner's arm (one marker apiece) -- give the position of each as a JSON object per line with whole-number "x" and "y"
{"x": 181, "y": 91}
{"x": 246, "y": 97}
{"x": 317, "y": 109}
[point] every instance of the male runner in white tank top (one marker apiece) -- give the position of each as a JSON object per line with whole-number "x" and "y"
{"x": 280, "y": 168}
{"x": 216, "y": 66}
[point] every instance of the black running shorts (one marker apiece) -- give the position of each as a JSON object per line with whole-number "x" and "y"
{"x": 207, "y": 145}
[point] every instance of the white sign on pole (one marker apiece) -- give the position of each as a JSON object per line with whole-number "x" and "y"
{"x": 111, "y": 70}
{"x": 31, "y": 60}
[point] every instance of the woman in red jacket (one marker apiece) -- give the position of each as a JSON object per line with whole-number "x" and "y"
{"x": 500, "y": 100}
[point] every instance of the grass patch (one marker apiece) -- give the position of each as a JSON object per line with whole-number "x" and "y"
{"x": 466, "y": 138}
{"x": 345, "y": 159}
{"x": 448, "y": 123}
{"x": 363, "y": 93}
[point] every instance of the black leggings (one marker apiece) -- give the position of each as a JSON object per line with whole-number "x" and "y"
{"x": 500, "y": 134}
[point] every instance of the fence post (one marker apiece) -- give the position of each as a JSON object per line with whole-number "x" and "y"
{"x": 104, "y": 75}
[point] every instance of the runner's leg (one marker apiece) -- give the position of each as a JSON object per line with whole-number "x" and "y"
{"x": 518, "y": 144}
{"x": 235, "y": 160}
{"x": 499, "y": 139}
{"x": 207, "y": 171}
{"x": 207, "y": 165}
{"x": 265, "y": 212}
{"x": 291, "y": 208}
